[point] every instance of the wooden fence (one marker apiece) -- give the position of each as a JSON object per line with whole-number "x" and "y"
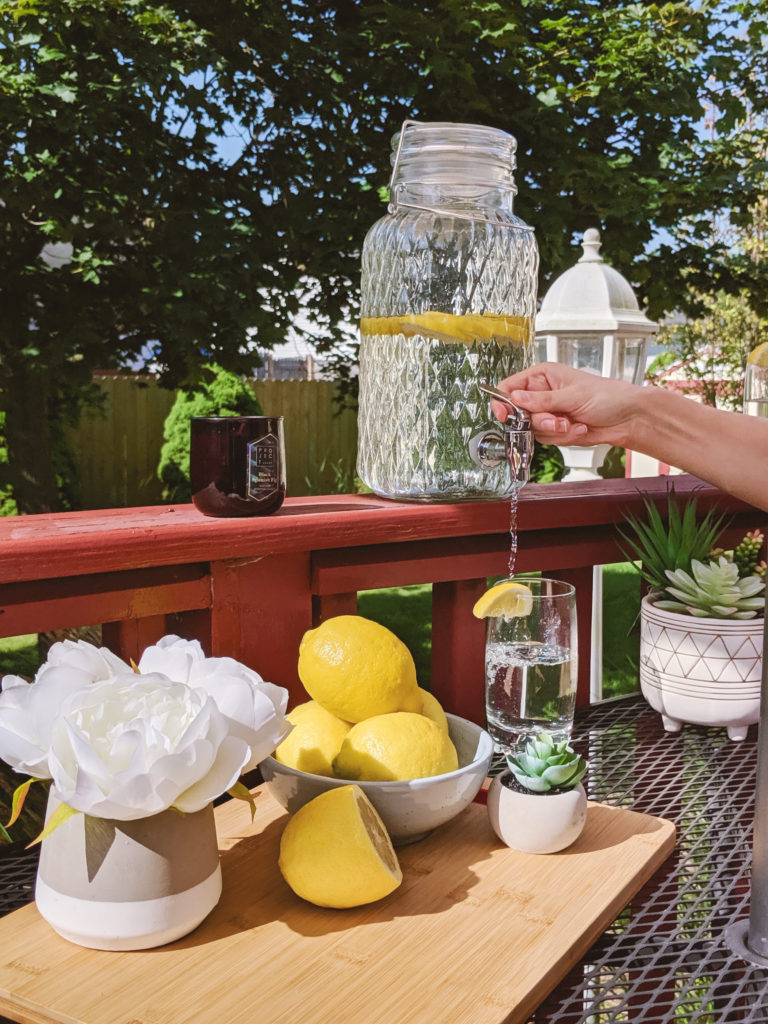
{"x": 117, "y": 453}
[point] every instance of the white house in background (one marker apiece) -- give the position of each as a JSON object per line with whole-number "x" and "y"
{"x": 293, "y": 360}
{"x": 297, "y": 358}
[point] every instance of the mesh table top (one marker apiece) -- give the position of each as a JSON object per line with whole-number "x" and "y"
{"x": 665, "y": 957}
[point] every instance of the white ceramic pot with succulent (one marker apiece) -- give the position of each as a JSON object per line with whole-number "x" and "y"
{"x": 701, "y": 624}
{"x": 538, "y": 804}
{"x": 135, "y": 757}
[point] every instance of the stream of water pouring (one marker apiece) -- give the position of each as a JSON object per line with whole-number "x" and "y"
{"x": 513, "y": 503}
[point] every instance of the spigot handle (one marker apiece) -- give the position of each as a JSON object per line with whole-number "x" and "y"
{"x": 488, "y": 389}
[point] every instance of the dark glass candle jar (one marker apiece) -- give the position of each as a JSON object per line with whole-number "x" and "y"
{"x": 237, "y": 465}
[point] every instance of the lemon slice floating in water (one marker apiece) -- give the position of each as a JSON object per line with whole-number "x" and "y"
{"x": 451, "y": 328}
{"x": 507, "y": 599}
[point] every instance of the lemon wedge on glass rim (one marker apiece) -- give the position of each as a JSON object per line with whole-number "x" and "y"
{"x": 759, "y": 355}
{"x": 507, "y": 599}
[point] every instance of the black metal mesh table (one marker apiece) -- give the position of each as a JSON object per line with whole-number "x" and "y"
{"x": 665, "y": 958}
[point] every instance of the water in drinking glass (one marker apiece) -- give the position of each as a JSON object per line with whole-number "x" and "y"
{"x": 531, "y": 664}
{"x": 529, "y": 687}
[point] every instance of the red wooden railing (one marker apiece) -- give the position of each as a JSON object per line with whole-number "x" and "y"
{"x": 249, "y": 588}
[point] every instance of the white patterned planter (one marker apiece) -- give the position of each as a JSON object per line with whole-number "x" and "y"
{"x": 702, "y": 671}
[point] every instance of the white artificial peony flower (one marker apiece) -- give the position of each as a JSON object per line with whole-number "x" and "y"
{"x": 132, "y": 746}
{"x": 29, "y": 710}
{"x": 254, "y": 709}
{"x": 96, "y": 662}
{"x": 27, "y": 715}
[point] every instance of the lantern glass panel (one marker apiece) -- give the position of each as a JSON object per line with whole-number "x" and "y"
{"x": 630, "y": 359}
{"x": 582, "y": 351}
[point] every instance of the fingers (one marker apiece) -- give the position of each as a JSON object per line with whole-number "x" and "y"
{"x": 557, "y": 429}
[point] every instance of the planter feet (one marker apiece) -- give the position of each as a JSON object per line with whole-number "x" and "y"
{"x": 671, "y": 724}
{"x": 737, "y": 733}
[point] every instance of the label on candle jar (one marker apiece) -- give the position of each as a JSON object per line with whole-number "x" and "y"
{"x": 263, "y": 467}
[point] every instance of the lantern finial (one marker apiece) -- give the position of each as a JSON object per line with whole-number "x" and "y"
{"x": 591, "y": 243}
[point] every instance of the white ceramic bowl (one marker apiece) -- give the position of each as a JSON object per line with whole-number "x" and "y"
{"x": 412, "y": 809}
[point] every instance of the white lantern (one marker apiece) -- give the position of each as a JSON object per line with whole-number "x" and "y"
{"x": 590, "y": 319}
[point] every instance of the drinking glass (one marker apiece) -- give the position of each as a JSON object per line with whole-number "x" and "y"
{"x": 756, "y": 390}
{"x": 237, "y": 465}
{"x": 531, "y": 666}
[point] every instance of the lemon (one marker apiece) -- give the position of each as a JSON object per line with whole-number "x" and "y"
{"x": 507, "y": 599}
{"x": 335, "y": 851}
{"x": 314, "y": 741}
{"x": 393, "y": 747}
{"x": 463, "y": 329}
{"x": 759, "y": 355}
{"x": 357, "y": 668}
{"x": 430, "y": 706}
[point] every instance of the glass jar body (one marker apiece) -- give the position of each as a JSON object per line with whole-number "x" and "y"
{"x": 448, "y": 300}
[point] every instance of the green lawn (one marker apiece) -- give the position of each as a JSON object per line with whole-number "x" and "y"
{"x": 18, "y": 656}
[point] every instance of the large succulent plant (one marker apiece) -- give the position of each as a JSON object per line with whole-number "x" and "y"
{"x": 662, "y": 545}
{"x": 544, "y": 765}
{"x": 687, "y": 573}
{"x": 715, "y": 590}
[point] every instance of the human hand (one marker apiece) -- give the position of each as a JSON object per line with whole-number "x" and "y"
{"x": 568, "y": 406}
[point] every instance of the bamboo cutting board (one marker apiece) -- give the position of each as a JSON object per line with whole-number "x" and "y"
{"x": 476, "y": 934}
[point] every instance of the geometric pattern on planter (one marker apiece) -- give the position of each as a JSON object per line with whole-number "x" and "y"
{"x": 701, "y": 670}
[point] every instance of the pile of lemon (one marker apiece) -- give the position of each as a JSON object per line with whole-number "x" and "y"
{"x": 367, "y": 720}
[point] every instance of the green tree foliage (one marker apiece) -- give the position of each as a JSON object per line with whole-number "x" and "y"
{"x": 222, "y": 394}
{"x": 208, "y": 168}
{"x": 707, "y": 352}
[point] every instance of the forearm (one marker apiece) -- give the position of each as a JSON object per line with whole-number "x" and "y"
{"x": 726, "y": 449}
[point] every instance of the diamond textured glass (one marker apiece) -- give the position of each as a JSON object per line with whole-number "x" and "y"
{"x": 448, "y": 301}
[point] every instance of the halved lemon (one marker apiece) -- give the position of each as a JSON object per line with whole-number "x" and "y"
{"x": 464, "y": 329}
{"x": 507, "y": 599}
{"x": 335, "y": 851}
{"x": 759, "y": 355}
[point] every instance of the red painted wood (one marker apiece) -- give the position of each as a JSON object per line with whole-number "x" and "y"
{"x": 131, "y": 636}
{"x": 327, "y": 606}
{"x": 192, "y": 625}
{"x": 78, "y": 543}
{"x": 102, "y": 597}
{"x": 385, "y": 565}
{"x": 261, "y": 610}
{"x": 458, "y": 649}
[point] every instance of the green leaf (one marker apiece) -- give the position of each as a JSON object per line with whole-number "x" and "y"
{"x": 17, "y": 801}
{"x": 62, "y": 813}
{"x": 241, "y": 792}
{"x": 548, "y": 98}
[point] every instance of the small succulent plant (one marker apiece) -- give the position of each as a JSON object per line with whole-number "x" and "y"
{"x": 715, "y": 591}
{"x": 545, "y": 765}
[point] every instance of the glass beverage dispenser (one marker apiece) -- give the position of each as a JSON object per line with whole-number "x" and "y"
{"x": 448, "y": 303}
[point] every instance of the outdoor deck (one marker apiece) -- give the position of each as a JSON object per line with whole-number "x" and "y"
{"x": 249, "y": 588}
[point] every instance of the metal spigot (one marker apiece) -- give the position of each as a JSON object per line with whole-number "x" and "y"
{"x": 513, "y": 442}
